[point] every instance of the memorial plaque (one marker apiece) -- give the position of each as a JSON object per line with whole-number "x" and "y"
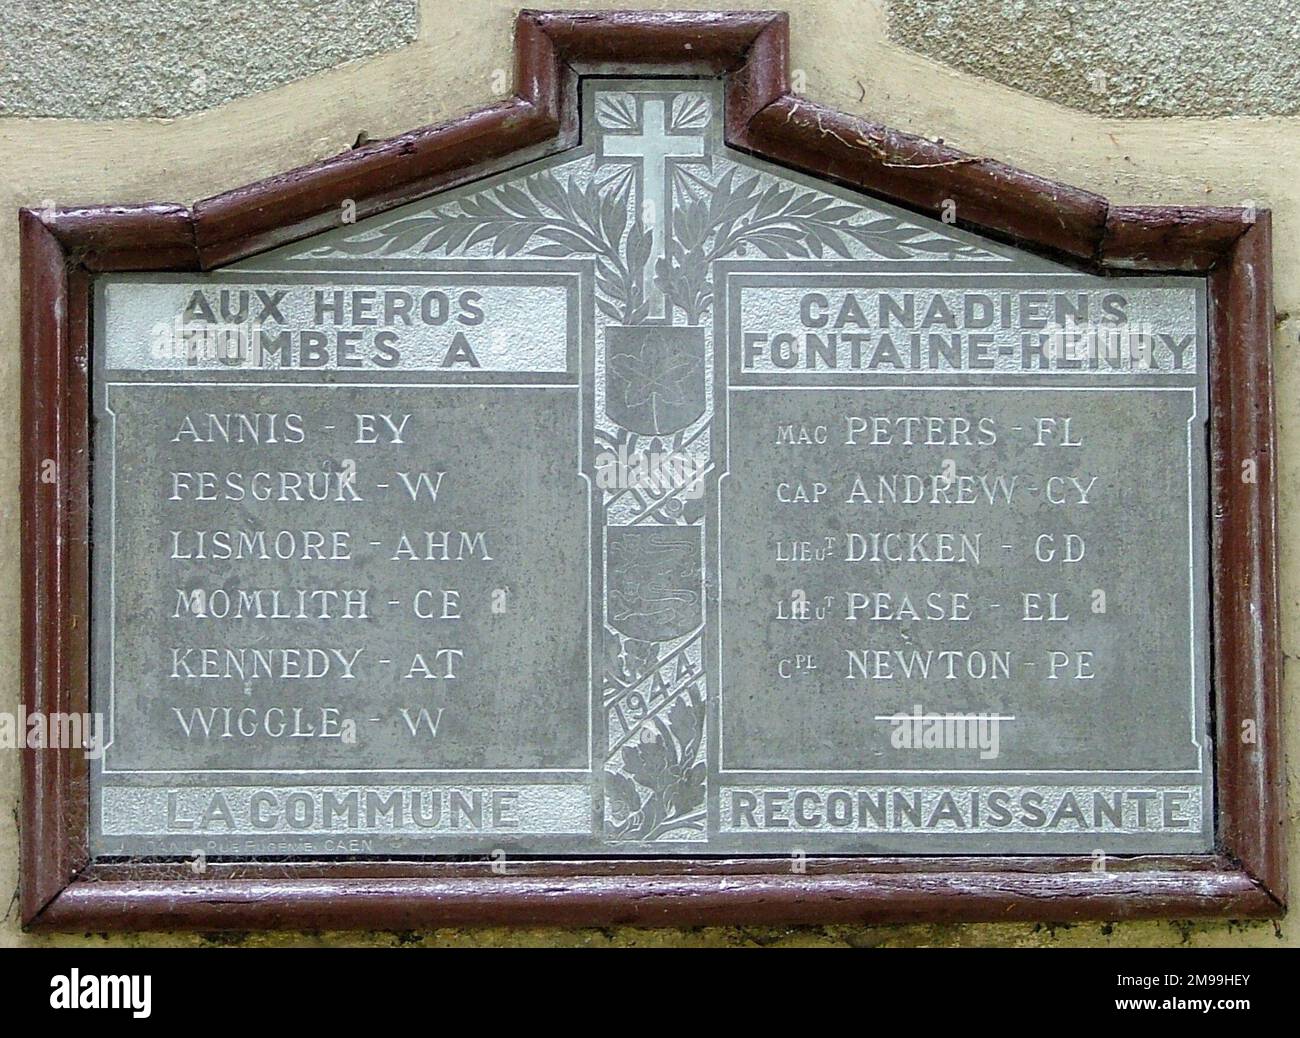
{"x": 650, "y": 498}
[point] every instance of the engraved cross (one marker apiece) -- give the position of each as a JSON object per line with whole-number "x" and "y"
{"x": 656, "y": 145}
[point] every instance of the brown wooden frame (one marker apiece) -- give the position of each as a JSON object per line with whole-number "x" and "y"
{"x": 63, "y": 249}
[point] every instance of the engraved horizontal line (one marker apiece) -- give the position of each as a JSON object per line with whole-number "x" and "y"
{"x": 948, "y": 771}
{"x": 225, "y": 383}
{"x": 945, "y": 717}
{"x": 482, "y": 772}
{"x": 840, "y": 386}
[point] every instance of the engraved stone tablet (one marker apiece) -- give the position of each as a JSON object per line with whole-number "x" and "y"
{"x": 650, "y": 499}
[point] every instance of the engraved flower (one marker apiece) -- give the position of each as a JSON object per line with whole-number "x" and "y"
{"x": 664, "y": 762}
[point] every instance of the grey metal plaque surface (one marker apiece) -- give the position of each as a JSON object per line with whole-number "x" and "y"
{"x": 649, "y": 499}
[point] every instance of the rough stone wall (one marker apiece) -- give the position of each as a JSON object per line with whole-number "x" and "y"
{"x": 140, "y": 58}
{"x": 1190, "y": 101}
{"x": 1119, "y": 57}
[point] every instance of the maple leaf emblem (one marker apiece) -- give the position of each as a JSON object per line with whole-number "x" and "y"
{"x": 661, "y": 375}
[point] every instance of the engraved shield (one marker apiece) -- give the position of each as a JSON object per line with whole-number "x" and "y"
{"x": 654, "y": 377}
{"x": 654, "y": 580}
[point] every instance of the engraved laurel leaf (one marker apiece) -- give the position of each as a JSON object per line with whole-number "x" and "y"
{"x": 777, "y": 220}
{"x": 544, "y": 216}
